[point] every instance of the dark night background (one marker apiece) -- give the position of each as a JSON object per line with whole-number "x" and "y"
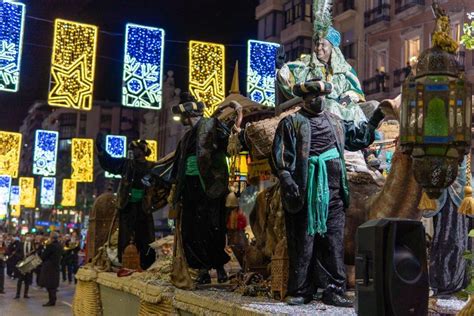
{"x": 220, "y": 21}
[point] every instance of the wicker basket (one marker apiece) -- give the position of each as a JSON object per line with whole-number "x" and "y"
{"x": 280, "y": 270}
{"x": 162, "y": 308}
{"x": 86, "y": 299}
{"x": 259, "y": 135}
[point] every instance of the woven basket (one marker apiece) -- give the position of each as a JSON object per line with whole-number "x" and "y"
{"x": 280, "y": 267}
{"x": 259, "y": 135}
{"x": 86, "y": 299}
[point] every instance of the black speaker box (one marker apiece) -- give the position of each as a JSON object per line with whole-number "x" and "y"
{"x": 391, "y": 268}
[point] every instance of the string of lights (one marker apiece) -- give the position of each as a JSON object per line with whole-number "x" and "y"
{"x": 45, "y": 153}
{"x": 261, "y": 71}
{"x": 207, "y": 74}
{"x": 73, "y": 65}
{"x": 11, "y": 38}
{"x": 143, "y": 67}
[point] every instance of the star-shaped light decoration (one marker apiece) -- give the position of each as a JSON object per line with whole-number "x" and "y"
{"x": 71, "y": 87}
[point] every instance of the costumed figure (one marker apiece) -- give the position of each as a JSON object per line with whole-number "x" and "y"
{"x": 200, "y": 176}
{"x": 134, "y": 208}
{"x": 327, "y": 63}
{"x": 308, "y": 158}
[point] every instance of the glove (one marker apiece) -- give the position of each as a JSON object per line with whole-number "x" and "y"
{"x": 147, "y": 180}
{"x": 377, "y": 117}
{"x": 289, "y": 186}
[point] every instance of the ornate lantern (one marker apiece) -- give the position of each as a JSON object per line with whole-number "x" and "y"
{"x": 435, "y": 123}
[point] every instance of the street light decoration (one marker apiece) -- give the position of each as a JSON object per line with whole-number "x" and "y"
{"x": 73, "y": 65}
{"x": 45, "y": 153}
{"x": 207, "y": 74}
{"x": 27, "y": 191}
{"x": 153, "y": 145}
{"x": 5, "y": 186}
{"x": 436, "y": 114}
{"x": 10, "y": 148}
{"x": 116, "y": 147}
{"x": 82, "y": 159}
{"x": 11, "y": 42}
{"x": 69, "y": 193}
{"x": 15, "y": 195}
{"x": 143, "y": 67}
{"x": 261, "y": 71}
{"x": 48, "y": 191}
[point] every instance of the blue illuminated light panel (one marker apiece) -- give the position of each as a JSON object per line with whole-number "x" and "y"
{"x": 143, "y": 67}
{"x": 48, "y": 191}
{"x": 12, "y": 17}
{"x": 45, "y": 153}
{"x": 261, "y": 71}
{"x": 5, "y": 184}
{"x": 116, "y": 147}
{"x": 15, "y": 195}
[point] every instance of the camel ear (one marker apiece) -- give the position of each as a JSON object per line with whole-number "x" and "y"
{"x": 391, "y": 108}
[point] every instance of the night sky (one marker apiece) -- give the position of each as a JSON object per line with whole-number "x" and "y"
{"x": 221, "y": 21}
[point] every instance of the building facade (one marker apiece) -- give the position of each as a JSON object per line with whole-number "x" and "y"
{"x": 379, "y": 37}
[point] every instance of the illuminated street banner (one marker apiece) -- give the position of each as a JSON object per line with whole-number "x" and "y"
{"x": 143, "y": 67}
{"x": 82, "y": 159}
{"x": 5, "y": 185}
{"x": 10, "y": 147}
{"x": 48, "y": 191}
{"x": 73, "y": 65}
{"x": 207, "y": 74}
{"x": 27, "y": 191}
{"x": 12, "y": 18}
{"x": 32, "y": 202}
{"x": 15, "y": 195}
{"x": 69, "y": 192}
{"x": 45, "y": 154}
{"x": 153, "y": 145}
{"x": 116, "y": 147}
{"x": 261, "y": 71}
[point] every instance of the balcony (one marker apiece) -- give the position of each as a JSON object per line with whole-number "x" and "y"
{"x": 376, "y": 85}
{"x": 376, "y": 15}
{"x": 403, "y": 5}
{"x": 399, "y": 76}
{"x": 461, "y": 58}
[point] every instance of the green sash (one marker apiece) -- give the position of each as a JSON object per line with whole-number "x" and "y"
{"x": 318, "y": 195}
{"x": 192, "y": 169}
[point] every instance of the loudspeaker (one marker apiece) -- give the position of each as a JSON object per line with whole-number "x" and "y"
{"x": 391, "y": 268}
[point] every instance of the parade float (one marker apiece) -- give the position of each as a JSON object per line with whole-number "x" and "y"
{"x": 428, "y": 130}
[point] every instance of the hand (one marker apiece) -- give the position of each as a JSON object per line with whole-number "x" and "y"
{"x": 377, "y": 117}
{"x": 288, "y": 185}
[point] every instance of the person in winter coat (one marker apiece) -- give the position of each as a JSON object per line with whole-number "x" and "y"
{"x": 49, "y": 276}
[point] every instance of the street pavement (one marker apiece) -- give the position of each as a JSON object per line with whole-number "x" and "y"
{"x": 32, "y": 306}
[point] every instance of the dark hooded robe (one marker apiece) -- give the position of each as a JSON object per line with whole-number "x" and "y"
{"x": 201, "y": 176}
{"x": 135, "y": 212}
{"x": 315, "y": 245}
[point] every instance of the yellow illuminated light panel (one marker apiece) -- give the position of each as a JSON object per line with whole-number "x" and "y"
{"x": 27, "y": 191}
{"x": 32, "y": 202}
{"x": 15, "y": 212}
{"x": 153, "y": 145}
{"x": 69, "y": 192}
{"x": 73, "y": 65}
{"x": 10, "y": 147}
{"x": 207, "y": 74}
{"x": 82, "y": 159}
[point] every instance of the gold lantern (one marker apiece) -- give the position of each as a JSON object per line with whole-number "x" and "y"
{"x": 435, "y": 126}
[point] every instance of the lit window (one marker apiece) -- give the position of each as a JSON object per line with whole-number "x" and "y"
{"x": 412, "y": 50}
